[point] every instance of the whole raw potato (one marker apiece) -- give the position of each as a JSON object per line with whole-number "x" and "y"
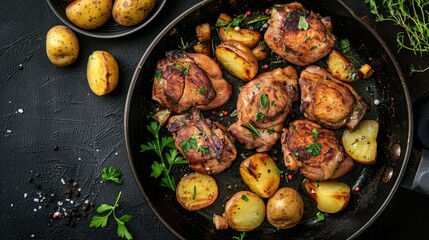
{"x": 89, "y": 14}
{"x": 131, "y": 12}
{"x": 285, "y": 208}
{"x": 62, "y": 46}
{"x": 102, "y": 72}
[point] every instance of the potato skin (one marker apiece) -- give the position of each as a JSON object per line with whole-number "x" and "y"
{"x": 102, "y": 72}
{"x": 237, "y": 59}
{"x": 330, "y": 195}
{"x": 285, "y": 208}
{"x": 62, "y": 46}
{"x": 259, "y": 172}
{"x": 361, "y": 143}
{"x": 131, "y": 12}
{"x": 196, "y": 191}
{"x": 248, "y": 37}
{"x": 244, "y": 211}
{"x": 89, "y": 14}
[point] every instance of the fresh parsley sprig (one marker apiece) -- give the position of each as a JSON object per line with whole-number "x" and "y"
{"x": 111, "y": 174}
{"x": 101, "y": 221}
{"x": 168, "y": 159}
{"x": 315, "y": 147}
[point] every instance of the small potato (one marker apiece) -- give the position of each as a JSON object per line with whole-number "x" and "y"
{"x": 62, "y": 46}
{"x": 131, "y": 12}
{"x": 366, "y": 71}
{"x": 247, "y": 37}
{"x": 203, "y": 48}
{"x": 223, "y": 19}
{"x": 260, "y": 173}
{"x": 361, "y": 143}
{"x": 89, "y": 14}
{"x": 244, "y": 211}
{"x": 341, "y": 68}
{"x": 331, "y": 195}
{"x": 102, "y": 72}
{"x": 285, "y": 208}
{"x": 237, "y": 59}
{"x": 196, "y": 191}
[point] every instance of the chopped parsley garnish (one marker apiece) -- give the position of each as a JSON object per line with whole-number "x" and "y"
{"x": 202, "y": 90}
{"x": 185, "y": 69}
{"x": 194, "y": 193}
{"x": 158, "y": 74}
{"x": 302, "y": 23}
{"x": 315, "y": 147}
{"x": 259, "y": 116}
{"x": 244, "y": 197}
{"x": 264, "y": 100}
{"x": 320, "y": 216}
{"x": 189, "y": 143}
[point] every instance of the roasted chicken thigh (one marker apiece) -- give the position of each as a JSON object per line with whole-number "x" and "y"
{"x": 314, "y": 151}
{"x": 299, "y": 35}
{"x": 185, "y": 81}
{"x": 262, "y": 107}
{"x": 328, "y": 101}
{"x": 207, "y": 145}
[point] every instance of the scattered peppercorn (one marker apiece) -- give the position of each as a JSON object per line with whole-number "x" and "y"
{"x": 37, "y": 174}
{"x": 30, "y": 180}
{"x": 265, "y": 155}
{"x": 56, "y": 148}
{"x": 38, "y": 186}
{"x": 20, "y": 66}
{"x": 290, "y": 176}
{"x": 357, "y": 189}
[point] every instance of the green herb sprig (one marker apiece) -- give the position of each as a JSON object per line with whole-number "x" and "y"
{"x": 168, "y": 159}
{"x": 101, "y": 221}
{"x": 111, "y": 174}
{"x": 412, "y": 17}
{"x": 239, "y": 237}
{"x": 315, "y": 147}
{"x": 234, "y": 23}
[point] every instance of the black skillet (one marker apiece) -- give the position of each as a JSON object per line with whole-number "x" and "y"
{"x": 377, "y": 182}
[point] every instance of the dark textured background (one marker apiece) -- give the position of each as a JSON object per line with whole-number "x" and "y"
{"x": 43, "y": 106}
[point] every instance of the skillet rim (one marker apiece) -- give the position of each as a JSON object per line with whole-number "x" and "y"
{"x": 386, "y": 49}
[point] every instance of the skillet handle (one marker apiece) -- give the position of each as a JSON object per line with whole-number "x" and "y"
{"x": 417, "y": 174}
{"x": 416, "y": 177}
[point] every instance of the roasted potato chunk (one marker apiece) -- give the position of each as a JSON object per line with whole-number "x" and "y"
{"x": 247, "y": 37}
{"x": 341, "y": 68}
{"x": 89, "y": 14}
{"x": 102, "y": 72}
{"x": 244, "y": 211}
{"x": 62, "y": 46}
{"x": 203, "y": 32}
{"x": 130, "y": 13}
{"x": 196, "y": 191}
{"x": 285, "y": 208}
{"x": 260, "y": 173}
{"x": 361, "y": 143}
{"x": 331, "y": 196}
{"x": 237, "y": 59}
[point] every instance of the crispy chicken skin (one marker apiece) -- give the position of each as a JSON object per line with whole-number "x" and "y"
{"x": 299, "y": 35}
{"x": 328, "y": 101}
{"x": 265, "y": 103}
{"x": 314, "y": 151}
{"x": 207, "y": 145}
{"x": 185, "y": 81}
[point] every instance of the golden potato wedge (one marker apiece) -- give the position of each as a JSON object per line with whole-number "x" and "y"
{"x": 260, "y": 173}
{"x": 247, "y": 37}
{"x": 366, "y": 71}
{"x": 260, "y": 52}
{"x": 223, "y": 19}
{"x": 331, "y": 195}
{"x": 237, "y": 59}
{"x": 196, "y": 191}
{"x": 341, "y": 68}
{"x": 285, "y": 208}
{"x": 203, "y": 48}
{"x": 89, "y": 14}
{"x": 102, "y": 72}
{"x": 361, "y": 143}
{"x": 162, "y": 115}
{"x": 244, "y": 211}
{"x": 203, "y": 32}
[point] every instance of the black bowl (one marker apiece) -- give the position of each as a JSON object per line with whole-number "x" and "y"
{"x": 111, "y": 29}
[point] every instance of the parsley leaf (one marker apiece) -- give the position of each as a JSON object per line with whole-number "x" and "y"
{"x": 189, "y": 143}
{"x": 167, "y": 160}
{"x": 184, "y": 69}
{"x": 315, "y": 147}
{"x": 101, "y": 221}
{"x": 302, "y": 23}
{"x": 263, "y": 99}
{"x": 259, "y": 116}
{"x": 111, "y": 174}
{"x": 202, "y": 90}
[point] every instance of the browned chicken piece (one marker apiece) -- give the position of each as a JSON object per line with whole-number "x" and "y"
{"x": 263, "y": 106}
{"x": 328, "y": 101}
{"x": 207, "y": 145}
{"x": 185, "y": 81}
{"x": 299, "y": 35}
{"x": 314, "y": 151}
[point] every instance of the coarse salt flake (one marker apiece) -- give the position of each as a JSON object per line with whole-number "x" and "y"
{"x": 20, "y": 110}
{"x": 25, "y": 195}
{"x": 376, "y": 102}
{"x": 62, "y": 181}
